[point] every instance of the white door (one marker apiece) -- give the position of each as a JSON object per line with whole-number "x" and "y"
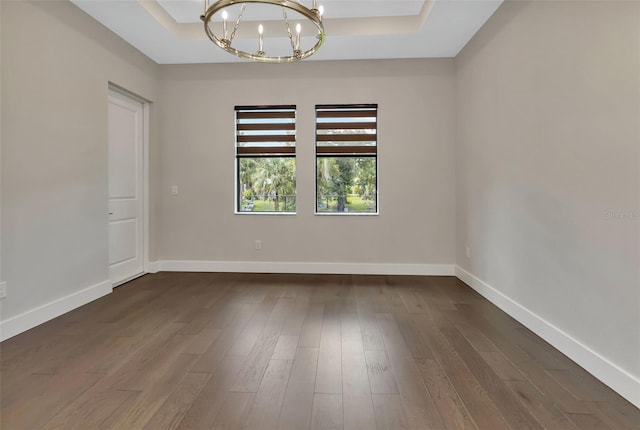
{"x": 126, "y": 229}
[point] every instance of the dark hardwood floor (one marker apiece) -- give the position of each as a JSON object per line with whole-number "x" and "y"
{"x": 251, "y": 351}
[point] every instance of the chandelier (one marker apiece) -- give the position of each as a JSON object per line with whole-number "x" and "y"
{"x": 295, "y": 32}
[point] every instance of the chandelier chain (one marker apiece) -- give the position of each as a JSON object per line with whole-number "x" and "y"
{"x": 284, "y": 14}
{"x": 235, "y": 27}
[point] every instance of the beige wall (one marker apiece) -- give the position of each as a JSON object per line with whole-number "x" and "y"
{"x": 416, "y": 175}
{"x": 548, "y": 110}
{"x": 1, "y": 277}
{"x": 56, "y": 66}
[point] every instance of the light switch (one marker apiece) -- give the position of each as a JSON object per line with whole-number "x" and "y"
{"x": 174, "y": 190}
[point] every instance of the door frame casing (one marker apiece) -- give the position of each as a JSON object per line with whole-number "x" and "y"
{"x": 145, "y": 177}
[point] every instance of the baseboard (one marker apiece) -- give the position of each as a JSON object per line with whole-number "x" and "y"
{"x": 34, "y": 317}
{"x": 618, "y": 379}
{"x": 152, "y": 267}
{"x": 297, "y": 267}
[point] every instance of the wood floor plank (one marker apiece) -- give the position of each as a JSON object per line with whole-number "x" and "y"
{"x": 451, "y": 408}
{"x": 381, "y": 378}
{"x": 209, "y": 361}
{"x": 69, "y": 350}
{"x": 358, "y": 411}
{"x": 37, "y": 357}
{"x": 143, "y": 371}
{"x": 528, "y": 365}
{"x": 199, "y": 319}
{"x": 355, "y": 379}
{"x": 312, "y": 327}
{"x": 327, "y": 412}
{"x": 168, "y": 362}
{"x": 249, "y": 378}
{"x": 588, "y": 422}
{"x": 143, "y": 367}
{"x": 206, "y": 406}
{"x": 416, "y": 399}
{"x": 51, "y": 397}
{"x": 534, "y": 346}
{"x": 545, "y": 411}
{"x": 435, "y": 299}
{"x": 517, "y": 415}
{"x": 475, "y": 337}
{"x": 176, "y": 405}
{"x": 297, "y": 405}
{"x": 394, "y": 342}
{"x": 502, "y": 366}
{"x": 574, "y": 386}
{"x": 285, "y": 348}
{"x": 356, "y": 392}
{"x": 163, "y": 380}
{"x": 12, "y": 400}
{"x": 613, "y": 418}
{"x": 96, "y": 412}
{"x": 371, "y": 338}
{"x": 549, "y": 357}
{"x": 258, "y": 359}
{"x": 255, "y": 327}
{"x": 199, "y": 343}
{"x": 295, "y": 321}
{"x": 617, "y": 404}
{"x": 268, "y": 401}
{"x": 231, "y": 313}
{"x": 389, "y": 412}
{"x": 412, "y": 337}
{"x": 329, "y": 373}
{"x": 412, "y": 301}
{"x": 482, "y": 409}
{"x": 233, "y": 413}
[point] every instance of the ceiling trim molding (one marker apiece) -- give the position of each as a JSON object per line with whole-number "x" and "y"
{"x": 334, "y": 27}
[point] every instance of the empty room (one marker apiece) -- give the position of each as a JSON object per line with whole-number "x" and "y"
{"x": 319, "y": 214}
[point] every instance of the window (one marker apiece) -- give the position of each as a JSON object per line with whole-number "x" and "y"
{"x": 266, "y": 158}
{"x": 346, "y": 159}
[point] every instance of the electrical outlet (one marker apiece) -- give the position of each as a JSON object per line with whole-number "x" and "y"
{"x": 174, "y": 190}
{"x": 468, "y": 252}
{"x": 3, "y": 290}
{"x": 258, "y": 245}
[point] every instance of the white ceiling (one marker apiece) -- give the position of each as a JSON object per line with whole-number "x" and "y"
{"x": 170, "y": 31}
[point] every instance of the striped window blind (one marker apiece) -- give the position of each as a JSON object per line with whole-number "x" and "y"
{"x": 265, "y": 131}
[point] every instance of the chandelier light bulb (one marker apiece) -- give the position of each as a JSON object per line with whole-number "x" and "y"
{"x": 225, "y": 15}
{"x": 321, "y": 10}
{"x": 260, "y": 40}
{"x": 298, "y": 30}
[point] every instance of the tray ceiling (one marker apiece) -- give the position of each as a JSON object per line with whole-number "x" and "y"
{"x": 170, "y": 31}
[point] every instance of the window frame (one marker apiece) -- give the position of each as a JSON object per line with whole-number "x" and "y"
{"x": 345, "y": 154}
{"x": 268, "y": 152}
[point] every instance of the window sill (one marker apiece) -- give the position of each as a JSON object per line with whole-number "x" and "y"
{"x": 347, "y": 213}
{"x": 265, "y": 213}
